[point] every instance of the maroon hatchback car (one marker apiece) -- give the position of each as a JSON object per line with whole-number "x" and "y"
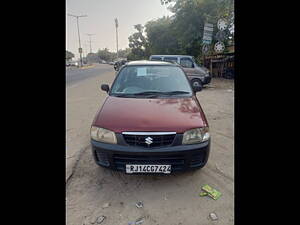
{"x": 151, "y": 121}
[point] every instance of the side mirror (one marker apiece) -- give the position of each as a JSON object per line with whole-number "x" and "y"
{"x": 105, "y": 87}
{"x": 197, "y": 88}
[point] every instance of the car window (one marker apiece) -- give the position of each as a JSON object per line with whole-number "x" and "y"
{"x": 135, "y": 79}
{"x": 156, "y": 58}
{"x": 186, "y": 62}
{"x": 170, "y": 59}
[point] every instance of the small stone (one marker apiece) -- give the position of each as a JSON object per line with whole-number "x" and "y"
{"x": 100, "y": 219}
{"x": 213, "y": 216}
{"x": 139, "y": 221}
{"x": 93, "y": 220}
{"x": 106, "y": 205}
{"x": 139, "y": 205}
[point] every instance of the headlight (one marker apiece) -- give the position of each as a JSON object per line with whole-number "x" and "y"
{"x": 103, "y": 135}
{"x": 195, "y": 136}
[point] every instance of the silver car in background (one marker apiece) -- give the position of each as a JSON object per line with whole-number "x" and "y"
{"x": 197, "y": 75}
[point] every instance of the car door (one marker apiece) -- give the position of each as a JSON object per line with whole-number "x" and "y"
{"x": 189, "y": 67}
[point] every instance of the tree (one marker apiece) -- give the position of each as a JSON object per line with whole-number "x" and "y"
{"x": 138, "y": 44}
{"x": 69, "y": 55}
{"x": 161, "y": 29}
{"x": 106, "y": 55}
{"x": 92, "y": 57}
{"x": 181, "y": 33}
{"x": 191, "y": 15}
{"x": 124, "y": 53}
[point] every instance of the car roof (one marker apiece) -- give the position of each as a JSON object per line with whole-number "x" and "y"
{"x": 172, "y": 56}
{"x": 149, "y": 63}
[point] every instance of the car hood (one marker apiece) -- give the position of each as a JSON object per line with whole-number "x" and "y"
{"x": 144, "y": 114}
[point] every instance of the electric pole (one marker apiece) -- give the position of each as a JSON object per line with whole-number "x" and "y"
{"x": 90, "y": 41}
{"x": 80, "y": 49}
{"x": 86, "y": 47}
{"x": 116, "y": 23}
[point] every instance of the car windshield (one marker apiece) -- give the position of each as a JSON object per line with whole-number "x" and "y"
{"x": 151, "y": 81}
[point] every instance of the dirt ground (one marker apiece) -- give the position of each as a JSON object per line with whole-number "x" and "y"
{"x": 93, "y": 191}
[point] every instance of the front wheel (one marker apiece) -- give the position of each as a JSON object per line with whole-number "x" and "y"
{"x": 196, "y": 83}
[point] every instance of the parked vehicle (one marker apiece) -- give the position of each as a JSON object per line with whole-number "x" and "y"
{"x": 151, "y": 121}
{"x": 119, "y": 63}
{"x": 72, "y": 63}
{"x": 198, "y": 75}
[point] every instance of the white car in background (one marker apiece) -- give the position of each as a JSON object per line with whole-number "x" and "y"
{"x": 73, "y": 63}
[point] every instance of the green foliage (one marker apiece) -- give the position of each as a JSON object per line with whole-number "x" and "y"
{"x": 92, "y": 57}
{"x": 69, "y": 55}
{"x": 162, "y": 30}
{"x": 181, "y": 33}
{"x": 138, "y": 44}
{"x": 124, "y": 53}
{"x": 106, "y": 55}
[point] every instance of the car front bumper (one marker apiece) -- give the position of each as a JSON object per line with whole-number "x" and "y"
{"x": 180, "y": 157}
{"x": 206, "y": 80}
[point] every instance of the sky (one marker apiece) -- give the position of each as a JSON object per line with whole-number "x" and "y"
{"x": 100, "y": 21}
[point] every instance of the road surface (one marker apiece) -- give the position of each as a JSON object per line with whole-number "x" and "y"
{"x": 75, "y": 75}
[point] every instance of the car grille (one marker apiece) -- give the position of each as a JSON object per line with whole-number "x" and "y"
{"x": 157, "y": 140}
{"x": 177, "y": 161}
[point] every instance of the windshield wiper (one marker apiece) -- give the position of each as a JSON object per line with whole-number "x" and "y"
{"x": 123, "y": 95}
{"x": 162, "y": 93}
{"x": 134, "y": 95}
{"x": 151, "y": 94}
{"x": 176, "y": 92}
{"x": 148, "y": 93}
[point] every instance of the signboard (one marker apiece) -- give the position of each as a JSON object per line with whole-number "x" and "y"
{"x": 207, "y": 33}
{"x": 80, "y": 50}
{"x": 206, "y": 42}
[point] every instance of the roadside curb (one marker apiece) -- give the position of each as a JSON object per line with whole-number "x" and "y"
{"x": 86, "y": 67}
{"x": 70, "y": 169}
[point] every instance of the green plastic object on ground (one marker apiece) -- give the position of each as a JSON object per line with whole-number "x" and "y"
{"x": 203, "y": 193}
{"x": 213, "y": 193}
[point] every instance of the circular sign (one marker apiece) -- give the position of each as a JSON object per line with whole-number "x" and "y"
{"x": 222, "y": 24}
{"x": 219, "y": 47}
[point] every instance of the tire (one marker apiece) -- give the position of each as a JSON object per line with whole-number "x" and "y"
{"x": 196, "y": 82}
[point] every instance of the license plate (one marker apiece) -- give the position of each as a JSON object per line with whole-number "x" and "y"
{"x": 148, "y": 168}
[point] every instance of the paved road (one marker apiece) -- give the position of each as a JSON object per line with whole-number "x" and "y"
{"x": 74, "y": 75}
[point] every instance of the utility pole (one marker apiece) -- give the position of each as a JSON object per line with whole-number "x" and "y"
{"x": 80, "y": 49}
{"x": 86, "y": 47}
{"x": 116, "y": 23}
{"x": 90, "y": 41}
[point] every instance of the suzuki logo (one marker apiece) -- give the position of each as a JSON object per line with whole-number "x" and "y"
{"x": 148, "y": 140}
